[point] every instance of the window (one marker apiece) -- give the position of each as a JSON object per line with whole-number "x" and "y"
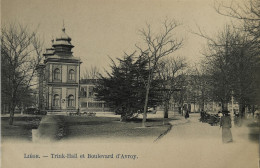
{"x": 56, "y": 100}
{"x": 95, "y": 105}
{"x": 84, "y": 104}
{"x": 57, "y": 74}
{"x": 83, "y": 92}
{"x": 71, "y": 74}
{"x": 71, "y": 101}
{"x": 91, "y": 91}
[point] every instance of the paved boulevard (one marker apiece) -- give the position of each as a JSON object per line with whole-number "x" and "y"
{"x": 195, "y": 144}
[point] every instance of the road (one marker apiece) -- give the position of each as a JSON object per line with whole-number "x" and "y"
{"x": 195, "y": 144}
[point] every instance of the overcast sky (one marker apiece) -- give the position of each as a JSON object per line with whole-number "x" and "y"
{"x": 102, "y": 28}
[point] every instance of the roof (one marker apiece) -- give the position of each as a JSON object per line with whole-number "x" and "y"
{"x": 61, "y": 50}
{"x": 63, "y": 36}
{"x": 63, "y": 40}
{"x": 57, "y": 58}
{"x": 49, "y": 51}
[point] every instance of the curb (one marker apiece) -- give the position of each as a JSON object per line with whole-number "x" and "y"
{"x": 169, "y": 129}
{"x": 164, "y": 133}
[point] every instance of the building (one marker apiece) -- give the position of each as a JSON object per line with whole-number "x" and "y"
{"x": 59, "y": 77}
{"x": 88, "y": 100}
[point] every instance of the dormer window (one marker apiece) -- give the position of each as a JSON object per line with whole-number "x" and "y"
{"x": 57, "y": 74}
{"x": 71, "y": 74}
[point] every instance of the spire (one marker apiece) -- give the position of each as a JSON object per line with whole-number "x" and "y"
{"x": 63, "y": 26}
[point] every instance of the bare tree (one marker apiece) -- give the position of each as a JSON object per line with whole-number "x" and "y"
{"x": 200, "y": 90}
{"x": 219, "y": 60}
{"x": 170, "y": 74}
{"x": 249, "y": 15}
{"x": 230, "y": 60}
{"x": 21, "y": 53}
{"x": 92, "y": 72}
{"x": 156, "y": 47}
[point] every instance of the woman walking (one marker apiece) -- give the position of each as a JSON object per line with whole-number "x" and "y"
{"x": 187, "y": 114}
{"x": 225, "y": 123}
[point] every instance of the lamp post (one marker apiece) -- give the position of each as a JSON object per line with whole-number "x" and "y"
{"x": 79, "y": 88}
{"x": 232, "y": 105}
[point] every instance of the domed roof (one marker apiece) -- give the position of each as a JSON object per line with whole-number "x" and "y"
{"x": 63, "y": 36}
{"x": 63, "y": 40}
{"x": 49, "y": 51}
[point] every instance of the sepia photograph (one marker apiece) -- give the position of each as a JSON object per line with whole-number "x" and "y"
{"x": 130, "y": 83}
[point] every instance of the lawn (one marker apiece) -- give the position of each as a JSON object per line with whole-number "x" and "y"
{"x": 21, "y": 128}
{"x": 110, "y": 128}
{"x": 65, "y": 128}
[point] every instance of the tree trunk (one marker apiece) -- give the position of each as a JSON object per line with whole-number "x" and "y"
{"x": 182, "y": 108}
{"x": 179, "y": 110}
{"x": 242, "y": 110}
{"x": 224, "y": 106}
{"x": 166, "y": 108}
{"x": 203, "y": 104}
{"x": 11, "y": 119}
{"x": 145, "y": 105}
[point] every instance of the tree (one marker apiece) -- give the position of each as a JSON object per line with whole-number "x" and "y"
{"x": 249, "y": 15}
{"x": 170, "y": 73}
{"x": 181, "y": 95}
{"x": 200, "y": 90}
{"x": 20, "y": 53}
{"x": 118, "y": 89}
{"x": 218, "y": 60}
{"x": 156, "y": 47}
{"x": 230, "y": 60}
{"x": 123, "y": 89}
{"x": 91, "y": 73}
{"x": 243, "y": 75}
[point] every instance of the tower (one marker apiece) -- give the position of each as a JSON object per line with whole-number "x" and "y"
{"x": 61, "y": 76}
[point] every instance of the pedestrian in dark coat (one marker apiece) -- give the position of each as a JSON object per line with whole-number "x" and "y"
{"x": 187, "y": 114}
{"x": 225, "y": 123}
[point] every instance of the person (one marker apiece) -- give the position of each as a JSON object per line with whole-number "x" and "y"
{"x": 187, "y": 114}
{"x": 225, "y": 123}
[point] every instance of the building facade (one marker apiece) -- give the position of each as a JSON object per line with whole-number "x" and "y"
{"x": 59, "y": 77}
{"x": 88, "y": 100}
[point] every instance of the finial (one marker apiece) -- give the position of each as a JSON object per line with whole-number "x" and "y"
{"x": 63, "y": 29}
{"x": 52, "y": 39}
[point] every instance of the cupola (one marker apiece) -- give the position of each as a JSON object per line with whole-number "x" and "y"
{"x": 62, "y": 45}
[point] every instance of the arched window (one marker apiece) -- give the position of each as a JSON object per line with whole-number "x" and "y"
{"x": 56, "y": 100}
{"x": 71, "y": 101}
{"x": 71, "y": 74}
{"x": 57, "y": 74}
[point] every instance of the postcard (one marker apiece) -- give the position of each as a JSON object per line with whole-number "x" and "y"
{"x": 122, "y": 84}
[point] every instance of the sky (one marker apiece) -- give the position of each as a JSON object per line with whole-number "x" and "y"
{"x": 107, "y": 28}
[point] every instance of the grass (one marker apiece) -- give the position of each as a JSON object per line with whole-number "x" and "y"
{"x": 98, "y": 127}
{"x": 73, "y": 127}
{"x": 21, "y": 128}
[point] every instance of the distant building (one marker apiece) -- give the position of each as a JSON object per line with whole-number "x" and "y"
{"x": 88, "y": 97}
{"x": 59, "y": 77}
